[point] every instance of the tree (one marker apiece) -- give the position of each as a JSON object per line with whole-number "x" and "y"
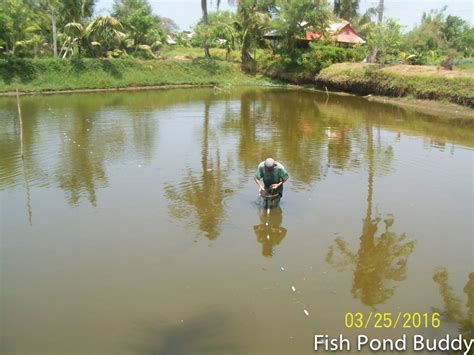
{"x": 219, "y": 32}
{"x": 294, "y": 19}
{"x": 362, "y": 23}
{"x": 17, "y": 25}
{"x": 385, "y": 40}
{"x": 205, "y": 20}
{"x": 168, "y": 24}
{"x": 254, "y": 19}
{"x": 373, "y": 52}
{"x": 105, "y": 33}
{"x": 76, "y": 10}
{"x": 74, "y": 33}
{"x": 53, "y": 24}
{"x": 459, "y": 35}
{"x": 346, "y": 9}
{"x": 143, "y": 27}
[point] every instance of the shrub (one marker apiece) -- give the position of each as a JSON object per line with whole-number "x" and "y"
{"x": 321, "y": 56}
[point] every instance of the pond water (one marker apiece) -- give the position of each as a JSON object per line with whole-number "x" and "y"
{"x": 133, "y": 226}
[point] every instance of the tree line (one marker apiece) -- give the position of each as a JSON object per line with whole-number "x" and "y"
{"x": 66, "y": 28}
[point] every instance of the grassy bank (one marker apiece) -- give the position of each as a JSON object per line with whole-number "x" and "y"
{"x": 29, "y": 75}
{"x": 420, "y": 82}
{"x": 185, "y": 67}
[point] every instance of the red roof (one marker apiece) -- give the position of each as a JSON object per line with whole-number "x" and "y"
{"x": 312, "y": 36}
{"x": 339, "y": 32}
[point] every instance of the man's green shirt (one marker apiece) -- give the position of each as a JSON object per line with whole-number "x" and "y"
{"x": 278, "y": 174}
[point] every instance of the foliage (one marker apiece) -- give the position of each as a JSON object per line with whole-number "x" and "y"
{"x": 220, "y": 32}
{"x": 253, "y": 20}
{"x": 459, "y": 35}
{"x": 362, "y": 24}
{"x": 346, "y": 9}
{"x": 75, "y": 10}
{"x": 294, "y": 19}
{"x": 141, "y": 25}
{"x": 386, "y": 37}
{"x": 322, "y": 56}
{"x": 26, "y": 30}
{"x": 168, "y": 25}
{"x": 17, "y": 25}
{"x": 438, "y": 36}
{"x": 105, "y": 33}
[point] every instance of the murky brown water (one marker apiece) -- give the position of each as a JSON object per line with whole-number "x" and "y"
{"x": 132, "y": 225}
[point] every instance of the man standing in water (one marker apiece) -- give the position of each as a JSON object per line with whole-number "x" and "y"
{"x": 273, "y": 175}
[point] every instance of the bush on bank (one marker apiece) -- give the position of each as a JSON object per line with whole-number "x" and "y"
{"x": 302, "y": 67}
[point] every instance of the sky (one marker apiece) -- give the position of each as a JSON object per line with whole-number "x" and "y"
{"x": 186, "y": 13}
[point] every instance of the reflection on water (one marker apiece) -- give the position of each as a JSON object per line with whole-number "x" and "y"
{"x": 453, "y": 309}
{"x": 202, "y": 193}
{"x": 269, "y": 232}
{"x": 122, "y": 185}
{"x": 380, "y": 259}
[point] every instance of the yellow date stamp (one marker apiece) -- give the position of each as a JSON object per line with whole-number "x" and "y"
{"x": 387, "y": 320}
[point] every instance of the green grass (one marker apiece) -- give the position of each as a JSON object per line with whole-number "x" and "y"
{"x": 465, "y": 67}
{"x": 35, "y": 75}
{"x": 401, "y": 81}
{"x": 174, "y": 52}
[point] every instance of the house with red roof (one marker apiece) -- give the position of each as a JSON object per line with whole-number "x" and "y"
{"x": 341, "y": 33}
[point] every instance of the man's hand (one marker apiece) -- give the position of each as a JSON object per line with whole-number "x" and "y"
{"x": 261, "y": 189}
{"x": 275, "y": 186}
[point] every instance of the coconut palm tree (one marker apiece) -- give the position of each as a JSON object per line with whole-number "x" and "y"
{"x": 253, "y": 19}
{"x": 106, "y": 33}
{"x": 73, "y": 32}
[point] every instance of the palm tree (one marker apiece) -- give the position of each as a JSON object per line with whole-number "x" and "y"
{"x": 105, "y": 32}
{"x": 346, "y": 9}
{"x": 53, "y": 24}
{"x": 74, "y": 32}
{"x": 380, "y": 11}
{"x": 254, "y": 16}
{"x": 206, "y": 24}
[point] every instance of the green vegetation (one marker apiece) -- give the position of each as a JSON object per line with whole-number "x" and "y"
{"x": 88, "y": 73}
{"x": 66, "y": 28}
{"x": 419, "y": 82}
{"x": 59, "y": 44}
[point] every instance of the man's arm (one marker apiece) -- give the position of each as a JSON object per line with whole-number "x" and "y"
{"x": 276, "y": 186}
{"x": 257, "y": 181}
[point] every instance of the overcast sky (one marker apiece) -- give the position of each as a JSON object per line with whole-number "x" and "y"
{"x": 186, "y": 13}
